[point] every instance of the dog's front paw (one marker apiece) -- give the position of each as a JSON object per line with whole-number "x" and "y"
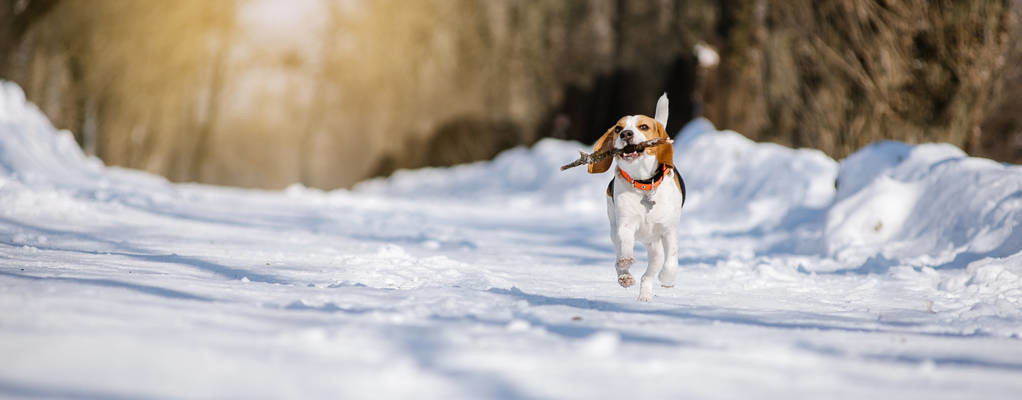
{"x": 666, "y": 276}
{"x": 645, "y": 297}
{"x": 625, "y": 280}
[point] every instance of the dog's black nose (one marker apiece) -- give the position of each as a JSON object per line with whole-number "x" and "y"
{"x": 626, "y": 135}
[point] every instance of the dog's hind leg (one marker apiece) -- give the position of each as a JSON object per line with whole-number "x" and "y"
{"x": 656, "y": 262}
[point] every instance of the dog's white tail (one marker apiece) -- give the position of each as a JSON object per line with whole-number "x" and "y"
{"x": 661, "y": 110}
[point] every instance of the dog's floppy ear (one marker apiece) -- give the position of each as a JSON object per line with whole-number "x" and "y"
{"x": 664, "y": 152}
{"x": 603, "y": 144}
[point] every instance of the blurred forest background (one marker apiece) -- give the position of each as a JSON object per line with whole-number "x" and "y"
{"x": 265, "y": 93}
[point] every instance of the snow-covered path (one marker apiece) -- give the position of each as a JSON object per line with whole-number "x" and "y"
{"x": 495, "y": 280}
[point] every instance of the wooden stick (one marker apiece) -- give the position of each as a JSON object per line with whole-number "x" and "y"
{"x": 585, "y": 158}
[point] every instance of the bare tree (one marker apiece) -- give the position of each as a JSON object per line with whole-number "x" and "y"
{"x": 16, "y": 17}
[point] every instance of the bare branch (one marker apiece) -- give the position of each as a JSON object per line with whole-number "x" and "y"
{"x": 585, "y": 158}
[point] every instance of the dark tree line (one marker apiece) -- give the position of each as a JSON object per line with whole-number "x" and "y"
{"x": 184, "y": 90}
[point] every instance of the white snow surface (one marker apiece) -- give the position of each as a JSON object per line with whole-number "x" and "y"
{"x": 894, "y": 273}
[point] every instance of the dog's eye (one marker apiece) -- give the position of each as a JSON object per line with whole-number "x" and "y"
{"x": 617, "y": 129}
{"x": 643, "y": 127}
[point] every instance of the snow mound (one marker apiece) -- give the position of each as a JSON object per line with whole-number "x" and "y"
{"x": 35, "y": 153}
{"x": 392, "y": 267}
{"x": 29, "y": 149}
{"x": 735, "y": 184}
{"x": 924, "y": 205}
{"x": 520, "y": 178}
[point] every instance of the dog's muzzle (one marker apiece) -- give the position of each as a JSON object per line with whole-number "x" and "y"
{"x": 627, "y": 136}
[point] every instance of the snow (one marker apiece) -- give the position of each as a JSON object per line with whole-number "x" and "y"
{"x": 895, "y": 273}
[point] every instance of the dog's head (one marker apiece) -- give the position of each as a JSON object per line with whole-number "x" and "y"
{"x": 635, "y": 129}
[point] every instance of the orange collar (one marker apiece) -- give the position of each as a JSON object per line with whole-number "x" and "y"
{"x": 647, "y": 184}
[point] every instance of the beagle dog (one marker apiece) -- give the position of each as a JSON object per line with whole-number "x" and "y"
{"x": 644, "y": 199}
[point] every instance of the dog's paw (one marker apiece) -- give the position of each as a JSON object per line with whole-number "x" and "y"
{"x": 645, "y": 297}
{"x": 625, "y": 280}
{"x": 667, "y": 276}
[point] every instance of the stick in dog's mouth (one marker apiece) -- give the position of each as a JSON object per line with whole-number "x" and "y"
{"x": 585, "y": 158}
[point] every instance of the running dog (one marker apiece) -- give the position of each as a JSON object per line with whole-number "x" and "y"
{"x": 644, "y": 200}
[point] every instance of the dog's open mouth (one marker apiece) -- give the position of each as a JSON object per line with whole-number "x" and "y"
{"x": 629, "y": 156}
{"x": 630, "y": 153}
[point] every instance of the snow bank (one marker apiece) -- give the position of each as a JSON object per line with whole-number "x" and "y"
{"x": 29, "y": 149}
{"x": 925, "y": 205}
{"x": 888, "y": 204}
{"x": 35, "y": 153}
{"x": 736, "y": 184}
{"x": 520, "y": 178}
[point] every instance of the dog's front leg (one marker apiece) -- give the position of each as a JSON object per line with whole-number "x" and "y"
{"x": 670, "y": 243}
{"x": 624, "y": 243}
{"x": 656, "y": 261}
